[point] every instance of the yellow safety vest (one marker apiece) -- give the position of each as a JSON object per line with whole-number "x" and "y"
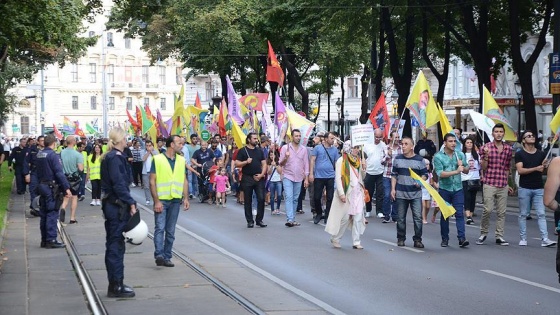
{"x": 169, "y": 184}
{"x": 94, "y": 167}
{"x": 84, "y": 154}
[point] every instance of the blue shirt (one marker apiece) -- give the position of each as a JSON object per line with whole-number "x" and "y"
{"x": 201, "y": 157}
{"x": 324, "y": 168}
{"x": 70, "y": 160}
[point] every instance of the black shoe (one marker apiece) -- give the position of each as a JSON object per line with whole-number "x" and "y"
{"x": 160, "y": 261}
{"x": 118, "y": 289}
{"x": 261, "y": 224}
{"x": 317, "y": 219}
{"x": 250, "y": 225}
{"x": 43, "y": 244}
{"x": 501, "y": 241}
{"x": 62, "y": 215}
{"x": 34, "y": 213}
{"x": 418, "y": 244}
{"x": 463, "y": 243}
{"x": 470, "y": 221}
{"x": 54, "y": 244}
{"x": 168, "y": 263}
{"x": 444, "y": 243}
{"x": 400, "y": 243}
{"x": 386, "y": 221}
{"x": 81, "y": 198}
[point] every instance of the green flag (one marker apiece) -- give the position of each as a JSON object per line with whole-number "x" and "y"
{"x": 146, "y": 122}
{"x": 90, "y": 129}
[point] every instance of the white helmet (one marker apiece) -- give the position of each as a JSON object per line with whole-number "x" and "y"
{"x": 136, "y": 230}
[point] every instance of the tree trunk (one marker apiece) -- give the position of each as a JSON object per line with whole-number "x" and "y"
{"x": 366, "y": 77}
{"x": 295, "y": 79}
{"x": 341, "y": 123}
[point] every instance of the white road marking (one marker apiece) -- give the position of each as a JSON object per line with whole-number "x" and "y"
{"x": 262, "y": 272}
{"x": 412, "y": 249}
{"x": 538, "y": 285}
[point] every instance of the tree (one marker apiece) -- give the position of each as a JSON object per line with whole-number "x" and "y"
{"x": 38, "y": 33}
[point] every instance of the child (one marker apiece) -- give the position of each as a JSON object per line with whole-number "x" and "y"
{"x": 426, "y": 198}
{"x": 221, "y": 183}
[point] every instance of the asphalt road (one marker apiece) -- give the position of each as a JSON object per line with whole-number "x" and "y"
{"x": 383, "y": 278}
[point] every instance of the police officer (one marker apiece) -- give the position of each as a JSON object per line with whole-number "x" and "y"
{"x": 118, "y": 206}
{"x": 51, "y": 184}
{"x": 30, "y": 171}
{"x": 17, "y": 158}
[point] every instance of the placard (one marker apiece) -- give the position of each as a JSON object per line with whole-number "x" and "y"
{"x": 362, "y": 134}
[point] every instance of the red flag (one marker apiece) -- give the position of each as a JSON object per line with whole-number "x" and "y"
{"x": 274, "y": 71}
{"x": 197, "y": 101}
{"x": 131, "y": 120}
{"x": 379, "y": 116}
{"x": 57, "y": 133}
{"x": 222, "y": 119}
{"x": 138, "y": 118}
{"x": 79, "y": 132}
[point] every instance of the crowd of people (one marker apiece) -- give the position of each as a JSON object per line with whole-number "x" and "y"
{"x": 344, "y": 183}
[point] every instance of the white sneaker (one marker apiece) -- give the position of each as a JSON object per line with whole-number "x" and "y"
{"x": 92, "y": 203}
{"x": 132, "y": 185}
{"x": 523, "y": 243}
{"x": 147, "y": 202}
{"x": 223, "y": 205}
{"x": 368, "y": 214}
{"x": 380, "y": 215}
{"x": 547, "y": 243}
{"x": 98, "y": 203}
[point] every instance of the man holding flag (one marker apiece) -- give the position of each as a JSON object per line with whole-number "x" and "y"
{"x": 448, "y": 165}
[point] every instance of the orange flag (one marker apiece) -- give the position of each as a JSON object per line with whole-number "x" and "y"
{"x": 131, "y": 120}
{"x": 197, "y": 103}
{"x": 138, "y": 118}
{"x": 379, "y": 116}
{"x": 274, "y": 71}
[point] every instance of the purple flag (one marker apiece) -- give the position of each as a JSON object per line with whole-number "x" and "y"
{"x": 162, "y": 126}
{"x": 234, "y": 109}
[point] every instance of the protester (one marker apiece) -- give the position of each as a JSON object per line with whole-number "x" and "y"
{"x": 375, "y": 154}
{"x": 73, "y": 166}
{"x": 471, "y": 181}
{"x": 274, "y": 181}
{"x": 94, "y": 174}
{"x": 147, "y": 158}
{"x": 221, "y": 184}
{"x": 390, "y": 205}
{"x": 322, "y": 175}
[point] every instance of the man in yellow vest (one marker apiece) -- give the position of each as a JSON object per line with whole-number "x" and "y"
{"x": 168, "y": 185}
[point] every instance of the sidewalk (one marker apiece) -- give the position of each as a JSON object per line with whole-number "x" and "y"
{"x": 34, "y": 280}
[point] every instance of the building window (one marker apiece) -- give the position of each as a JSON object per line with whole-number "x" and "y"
{"x": 24, "y": 125}
{"x": 111, "y": 103}
{"x": 128, "y": 74}
{"x": 93, "y": 102}
{"x": 352, "y": 87}
{"x": 127, "y": 43}
{"x": 74, "y": 72}
{"x": 111, "y": 73}
{"x": 162, "y": 75}
{"x": 92, "y": 72}
{"x": 178, "y": 75}
{"x": 162, "y": 104}
{"x": 129, "y": 103}
{"x": 146, "y": 101}
{"x": 209, "y": 89}
{"x": 145, "y": 74}
{"x": 91, "y": 33}
{"x": 109, "y": 39}
{"x": 74, "y": 102}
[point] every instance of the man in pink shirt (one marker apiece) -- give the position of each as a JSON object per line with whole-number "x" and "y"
{"x": 295, "y": 167}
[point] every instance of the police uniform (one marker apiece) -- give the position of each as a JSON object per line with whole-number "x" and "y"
{"x": 18, "y": 155}
{"x": 30, "y": 168}
{"x": 52, "y": 184}
{"x": 115, "y": 182}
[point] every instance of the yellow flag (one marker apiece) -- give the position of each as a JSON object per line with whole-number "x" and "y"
{"x": 421, "y": 103}
{"x": 238, "y": 135}
{"x": 491, "y": 109}
{"x": 153, "y": 133}
{"x": 444, "y": 122}
{"x": 296, "y": 121}
{"x": 447, "y": 210}
{"x": 555, "y": 123}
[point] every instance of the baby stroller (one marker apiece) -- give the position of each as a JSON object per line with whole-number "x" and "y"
{"x": 207, "y": 171}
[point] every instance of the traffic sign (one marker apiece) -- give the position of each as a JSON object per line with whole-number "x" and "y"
{"x": 554, "y": 73}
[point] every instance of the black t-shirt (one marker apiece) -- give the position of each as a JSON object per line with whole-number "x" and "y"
{"x": 255, "y": 166}
{"x": 534, "y": 179}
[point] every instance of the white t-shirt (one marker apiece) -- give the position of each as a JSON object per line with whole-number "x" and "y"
{"x": 375, "y": 154}
{"x": 148, "y": 163}
{"x": 5, "y": 145}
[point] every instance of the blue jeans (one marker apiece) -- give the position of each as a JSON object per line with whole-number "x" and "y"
{"x": 275, "y": 190}
{"x": 165, "y": 222}
{"x": 457, "y": 200}
{"x": 416, "y": 208}
{"x": 534, "y": 197}
{"x": 193, "y": 184}
{"x": 389, "y": 206}
{"x": 292, "y": 191}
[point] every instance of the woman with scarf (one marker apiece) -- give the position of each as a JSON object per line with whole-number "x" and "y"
{"x": 347, "y": 210}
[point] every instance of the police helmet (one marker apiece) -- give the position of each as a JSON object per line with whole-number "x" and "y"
{"x": 136, "y": 230}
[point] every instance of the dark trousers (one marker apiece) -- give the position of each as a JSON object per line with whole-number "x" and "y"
{"x": 49, "y": 213}
{"x": 114, "y": 241}
{"x": 20, "y": 179}
{"x": 137, "y": 173}
{"x": 374, "y": 184}
{"x": 319, "y": 184}
{"x": 82, "y": 189}
{"x": 249, "y": 185}
{"x": 33, "y": 186}
{"x": 96, "y": 189}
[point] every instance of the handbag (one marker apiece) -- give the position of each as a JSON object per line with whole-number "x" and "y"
{"x": 473, "y": 184}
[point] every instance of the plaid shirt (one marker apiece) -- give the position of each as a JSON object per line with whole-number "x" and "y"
{"x": 497, "y": 172}
{"x": 388, "y": 162}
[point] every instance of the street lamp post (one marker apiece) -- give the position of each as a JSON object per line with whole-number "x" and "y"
{"x": 339, "y": 121}
{"x": 518, "y": 91}
{"x": 345, "y": 113}
{"x": 42, "y": 119}
{"x": 104, "y": 83}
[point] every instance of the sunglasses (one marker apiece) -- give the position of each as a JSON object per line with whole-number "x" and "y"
{"x": 528, "y": 136}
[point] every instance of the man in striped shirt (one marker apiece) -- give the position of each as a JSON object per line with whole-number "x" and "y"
{"x": 390, "y": 206}
{"x": 407, "y": 192}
